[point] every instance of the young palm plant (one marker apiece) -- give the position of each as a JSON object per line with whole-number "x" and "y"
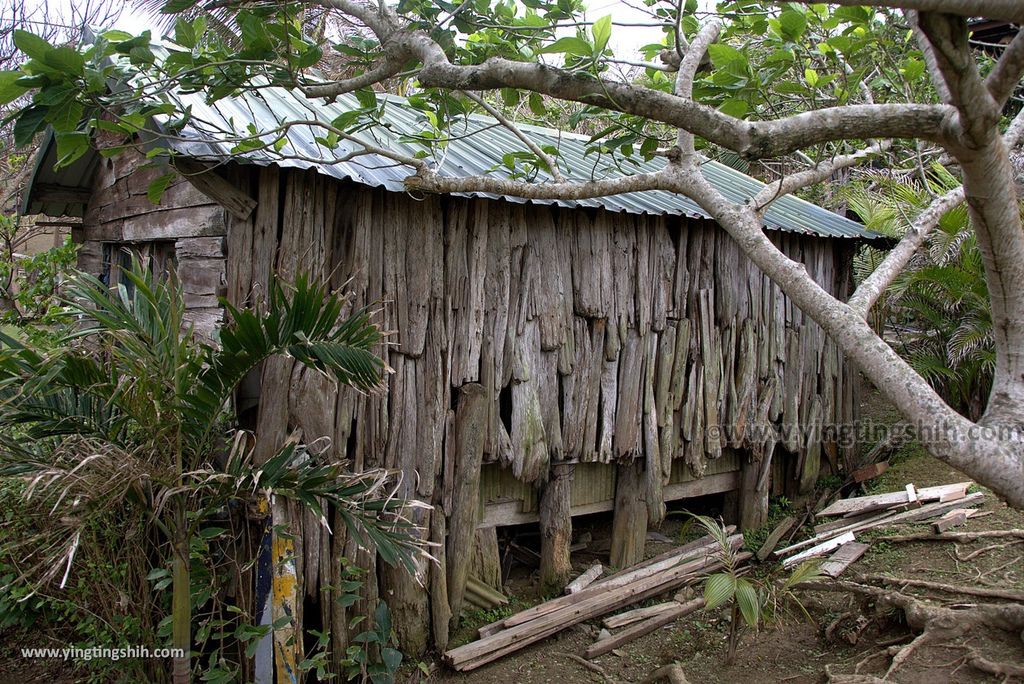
{"x": 751, "y": 600}
{"x": 131, "y": 413}
{"x": 936, "y": 313}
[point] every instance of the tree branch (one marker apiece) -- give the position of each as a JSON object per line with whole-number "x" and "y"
{"x": 1006, "y": 10}
{"x": 957, "y": 68}
{"x": 937, "y": 77}
{"x": 391, "y": 65}
{"x": 816, "y": 174}
{"x": 532, "y": 146}
{"x": 751, "y": 139}
{"x": 983, "y": 452}
{"x": 427, "y": 180}
{"x": 872, "y": 287}
{"x": 688, "y": 70}
{"x": 1006, "y": 75}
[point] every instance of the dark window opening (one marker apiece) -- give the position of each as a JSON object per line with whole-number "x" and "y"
{"x": 117, "y": 259}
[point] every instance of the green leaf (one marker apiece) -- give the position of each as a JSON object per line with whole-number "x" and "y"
{"x": 9, "y": 89}
{"x": 31, "y": 120}
{"x": 177, "y": 6}
{"x": 722, "y": 55}
{"x": 32, "y": 45}
{"x": 537, "y": 104}
{"x": 602, "y": 31}
{"x": 571, "y": 45}
{"x": 66, "y": 116}
{"x": 719, "y": 589}
{"x": 308, "y": 57}
{"x": 66, "y": 60}
{"x": 71, "y": 145}
{"x": 184, "y": 34}
{"x": 391, "y": 657}
{"x": 116, "y": 36}
{"x": 793, "y": 23}
{"x": 854, "y": 15}
{"x": 913, "y": 69}
{"x": 748, "y": 602}
{"x": 734, "y": 107}
{"x": 156, "y": 188}
{"x": 367, "y": 98}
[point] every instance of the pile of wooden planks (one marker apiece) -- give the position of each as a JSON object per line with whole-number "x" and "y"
{"x": 648, "y": 579}
{"x": 861, "y": 513}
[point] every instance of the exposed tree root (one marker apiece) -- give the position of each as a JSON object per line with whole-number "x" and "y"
{"x": 838, "y": 678}
{"x": 984, "y": 549}
{"x": 1007, "y": 594}
{"x": 1005, "y": 670}
{"x": 932, "y": 623}
{"x": 672, "y": 673}
{"x": 953, "y": 536}
{"x": 593, "y": 667}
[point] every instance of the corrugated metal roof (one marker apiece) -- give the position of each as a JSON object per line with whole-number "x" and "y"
{"x": 476, "y": 147}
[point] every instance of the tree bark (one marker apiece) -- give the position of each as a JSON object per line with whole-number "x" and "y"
{"x": 556, "y": 529}
{"x": 629, "y": 525}
{"x": 467, "y": 453}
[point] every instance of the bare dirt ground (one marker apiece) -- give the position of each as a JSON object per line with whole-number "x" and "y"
{"x": 796, "y": 650}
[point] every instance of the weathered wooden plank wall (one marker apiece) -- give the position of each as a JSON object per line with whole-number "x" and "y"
{"x": 120, "y": 214}
{"x": 646, "y": 342}
{"x": 596, "y": 337}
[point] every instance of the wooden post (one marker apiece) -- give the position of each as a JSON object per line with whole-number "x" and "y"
{"x": 755, "y": 486}
{"x": 440, "y": 606}
{"x": 486, "y": 563}
{"x": 629, "y": 526}
{"x": 556, "y": 529}
{"x": 467, "y": 448}
{"x": 286, "y": 597}
{"x": 810, "y": 462}
{"x": 406, "y": 594}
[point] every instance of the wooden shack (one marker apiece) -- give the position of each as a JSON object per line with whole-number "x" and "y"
{"x": 550, "y": 359}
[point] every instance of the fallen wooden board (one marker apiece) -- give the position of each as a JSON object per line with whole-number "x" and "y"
{"x": 844, "y": 556}
{"x": 775, "y": 537}
{"x": 603, "y": 646}
{"x": 839, "y": 523}
{"x": 888, "y": 518}
{"x": 705, "y": 542}
{"x": 879, "y": 502}
{"x": 499, "y": 644}
{"x": 912, "y": 498}
{"x": 869, "y": 472}
{"x": 954, "y": 518}
{"x": 638, "y": 614}
{"x": 585, "y": 579}
{"x": 619, "y": 579}
{"x": 820, "y": 549}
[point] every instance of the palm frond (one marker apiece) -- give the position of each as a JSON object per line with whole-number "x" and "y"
{"x": 304, "y": 321}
